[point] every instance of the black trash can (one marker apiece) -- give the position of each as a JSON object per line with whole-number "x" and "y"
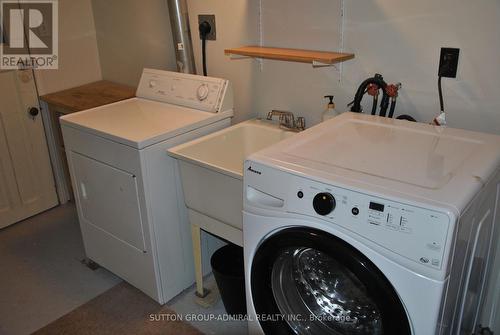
{"x": 229, "y": 272}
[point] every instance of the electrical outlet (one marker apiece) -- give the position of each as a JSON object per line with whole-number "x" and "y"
{"x": 212, "y": 36}
{"x": 448, "y": 62}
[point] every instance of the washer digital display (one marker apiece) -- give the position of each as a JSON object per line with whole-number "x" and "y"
{"x": 376, "y": 207}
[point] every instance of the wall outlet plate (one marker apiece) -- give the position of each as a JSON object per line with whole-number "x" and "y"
{"x": 212, "y": 36}
{"x": 448, "y": 62}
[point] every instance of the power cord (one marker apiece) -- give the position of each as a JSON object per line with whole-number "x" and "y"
{"x": 442, "y": 71}
{"x": 440, "y": 91}
{"x": 204, "y": 29}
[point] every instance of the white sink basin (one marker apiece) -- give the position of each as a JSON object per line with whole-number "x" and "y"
{"x": 225, "y": 151}
{"x": 211, "y": 170}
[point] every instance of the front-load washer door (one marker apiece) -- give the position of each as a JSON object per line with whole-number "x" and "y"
{"x": 306, "y": 281}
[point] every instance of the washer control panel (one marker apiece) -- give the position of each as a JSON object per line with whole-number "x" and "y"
{"x": 193, "y": 91}
{"x": 412, "y": 232}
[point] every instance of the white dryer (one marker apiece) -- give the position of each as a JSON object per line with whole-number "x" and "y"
{"x": 128, "y": 195}
{"x": 370, "y": 225}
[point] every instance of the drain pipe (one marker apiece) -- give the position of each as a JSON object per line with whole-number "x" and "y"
{"x": 179, "y": 21}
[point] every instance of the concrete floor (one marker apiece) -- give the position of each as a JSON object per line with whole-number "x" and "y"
{"x": 185, "y": 305}
{"x": 42, "y": 277}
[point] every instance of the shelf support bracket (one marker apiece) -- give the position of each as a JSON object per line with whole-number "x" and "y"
{"x": 234, "y": 56}
{"x": 237, "y": 57}
{"x": 317, "y": 64}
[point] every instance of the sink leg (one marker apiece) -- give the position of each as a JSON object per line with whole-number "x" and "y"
{"x": 198, "y": 268}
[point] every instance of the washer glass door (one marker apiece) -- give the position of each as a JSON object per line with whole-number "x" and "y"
{"x": 305, "y": 281}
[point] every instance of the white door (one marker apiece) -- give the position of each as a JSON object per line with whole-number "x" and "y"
{"x": 26, "y": 180}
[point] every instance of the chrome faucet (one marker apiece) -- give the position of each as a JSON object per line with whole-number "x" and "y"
{"x": 287, "y": 120}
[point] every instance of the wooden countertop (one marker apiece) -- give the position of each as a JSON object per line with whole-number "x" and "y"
{"x": 89, "y": 96}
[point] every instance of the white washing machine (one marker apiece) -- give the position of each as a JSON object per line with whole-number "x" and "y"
{"x": 370, "y": 225}
{"x": 128, "y": 195}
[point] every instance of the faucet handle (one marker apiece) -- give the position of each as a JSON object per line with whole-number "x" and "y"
{"x": 281, "y": 114}
{"x": 301, "y": 123}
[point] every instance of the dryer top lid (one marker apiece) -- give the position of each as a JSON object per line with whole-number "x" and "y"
{"x": 138, "y": 122}
{"x": 411, "y": 157}
{"x": 168, "y": 104}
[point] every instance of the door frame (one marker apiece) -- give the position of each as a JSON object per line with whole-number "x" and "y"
{"x": 62, "y": 188}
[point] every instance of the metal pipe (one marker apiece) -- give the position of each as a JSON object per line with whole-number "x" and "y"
{"x": 179, "y": 21}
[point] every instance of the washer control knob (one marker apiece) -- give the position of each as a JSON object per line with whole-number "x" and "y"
{"x": 202, "y": 92}
{"x": 324, "y": 203}
{"x": 152, "y": 84}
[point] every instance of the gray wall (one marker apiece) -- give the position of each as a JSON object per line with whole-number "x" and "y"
{"x": 132, "y": 35}
{"x": 78, "y": 56}
{"x": 237, "y": 24}
{"x": 400, "y": 39}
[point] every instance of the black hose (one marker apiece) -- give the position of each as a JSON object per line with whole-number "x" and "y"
{"x": 204, "y": 55}
{"x": 393, "y": 107}
{"x": 374, "y": 106}
{"x": 377, "y": 80}
{"x": 384, "y": 104}
{"x": 406, "y": 117}
{"x": 440, "y": 90}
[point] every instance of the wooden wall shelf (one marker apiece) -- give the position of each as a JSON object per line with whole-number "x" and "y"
{"x": 292, "y": 55}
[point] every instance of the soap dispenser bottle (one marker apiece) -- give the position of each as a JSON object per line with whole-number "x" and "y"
{"x": 330, "y": 109}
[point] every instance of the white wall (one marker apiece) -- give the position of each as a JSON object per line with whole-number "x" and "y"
{"x": 399, "y": 39}
{"x": 78, "y": 57}
{"x": 132, "y": 35}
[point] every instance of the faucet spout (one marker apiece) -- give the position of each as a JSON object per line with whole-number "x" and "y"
{"x": 287, "y": 120}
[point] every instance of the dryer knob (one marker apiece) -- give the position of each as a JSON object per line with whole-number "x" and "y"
{"x": 324, "y": 203}
{"x": 202, "y": 92}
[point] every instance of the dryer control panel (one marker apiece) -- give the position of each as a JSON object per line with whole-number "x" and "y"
{"x": 418, "y": 234}
{"x": 187, "y": 90}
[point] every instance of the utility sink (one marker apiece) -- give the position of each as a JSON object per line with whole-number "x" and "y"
{"x": 211, "y": 170}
